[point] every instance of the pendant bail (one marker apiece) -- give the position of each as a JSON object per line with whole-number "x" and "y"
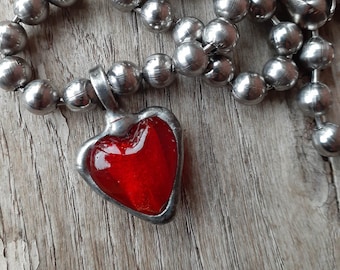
{"x": 102, "y": 88}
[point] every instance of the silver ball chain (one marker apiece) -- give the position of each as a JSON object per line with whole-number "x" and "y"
{"x": 200, "y": 51}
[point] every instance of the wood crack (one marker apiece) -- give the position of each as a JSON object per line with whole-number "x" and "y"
{"x": 334, "y": 183}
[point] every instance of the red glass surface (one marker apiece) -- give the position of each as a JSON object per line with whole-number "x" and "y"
{"x": 139, "y": 169}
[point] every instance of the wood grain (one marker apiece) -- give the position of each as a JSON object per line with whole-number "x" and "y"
{"x": 255, "y": 194}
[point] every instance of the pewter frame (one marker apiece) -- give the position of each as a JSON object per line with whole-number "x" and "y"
{"x": 111, "y": 126}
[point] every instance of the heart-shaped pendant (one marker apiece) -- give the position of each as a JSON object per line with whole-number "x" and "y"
{"x": 136, "y": 162}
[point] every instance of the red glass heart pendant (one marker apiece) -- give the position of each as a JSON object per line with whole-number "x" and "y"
{"x": 136, "y": 163}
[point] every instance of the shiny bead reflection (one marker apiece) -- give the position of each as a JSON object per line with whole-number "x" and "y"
{"x": 262, "y": 10}
{"x": 317, "y": 53}
{"x": 310, "y": 14}
{"x": 15, "y": 72}
{"x": 220, "y": 71}
{"x": 326, "y": 140}
{"x": 314, "y": 99}
{"x": 233, "y": 10}
{"x": 31, "y": 11}
{"x": 156, "y": 15}
{"x": 79, "y": 95}
{"x": 286, "y": 38}
{"x": 281, "y": 73}
{"x": 190, "y": 59}
{"x": 40, "y": 97}
{"x": 126, "y": 5}
{"x": 249, "y": 88}
{"x": 13, "y": 38}
{"x": 188, "y": 29}
{"x": 159, "y": 70}
{"x": 221, "y": 34}
{"x": 124, "y": 77}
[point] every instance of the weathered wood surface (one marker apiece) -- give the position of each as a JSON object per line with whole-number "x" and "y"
{"x": 255, "y": 194}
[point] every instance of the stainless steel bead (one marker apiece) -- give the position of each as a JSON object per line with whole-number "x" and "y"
{"x": 31, "y": 11}
{"x": 286, "y": 38}
{"x": 79, "y": 95}
{"x": 326, "y": 140}
{"x": 233, "y": 10}
{"x": 249, "y": 88}
{"x": 220, "y": 71}
{"x": 190, "y": 59}
{"x": 13, "y": 38}
{"x": 126, "y": 5}
{"x": 317, "y": 53}
{"x": 15, "y": 72}
{"x": 311, "y": 14}
{"x": 124, "y": 77}
{"x": 40, "y": 97}
{"x": 262, "y": 10}
{"x": 281, "y": 73}
{"x": 314, "y": 99}
{"x": 221, "y": 34}
{"x": 63, "y": 3}
{"x": 187, "y": 29}
{"x": 159, "y": 70}
{"x": 157, "y": 15}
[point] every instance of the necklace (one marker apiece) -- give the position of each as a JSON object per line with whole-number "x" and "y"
{"x": 200, "y": 50}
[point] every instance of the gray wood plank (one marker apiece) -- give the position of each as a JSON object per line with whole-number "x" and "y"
{"x": 255, "y": 194}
